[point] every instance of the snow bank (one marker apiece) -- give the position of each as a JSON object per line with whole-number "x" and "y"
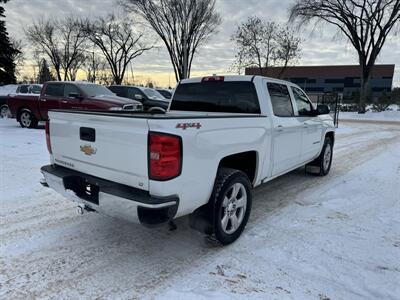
{"x": 376, "y": 116}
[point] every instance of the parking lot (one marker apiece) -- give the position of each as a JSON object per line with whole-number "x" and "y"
{"x": 333, "y": 237}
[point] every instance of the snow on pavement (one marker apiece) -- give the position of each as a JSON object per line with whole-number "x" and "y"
{"x": 335, "y": 237}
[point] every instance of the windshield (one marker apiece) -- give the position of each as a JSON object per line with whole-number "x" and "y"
{"x": 92, "y": 90}
{"x": 35, "y": 89}
{"x": 153, "y": 94}
{"x": 231, "y": 97}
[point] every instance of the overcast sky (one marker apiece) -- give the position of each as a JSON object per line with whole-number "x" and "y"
{"x": 320, "y": 48}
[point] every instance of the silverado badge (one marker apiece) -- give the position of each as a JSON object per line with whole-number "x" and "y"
{"x": 88, "y": 150}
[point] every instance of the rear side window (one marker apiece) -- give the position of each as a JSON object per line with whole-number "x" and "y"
{"x": 232, "y": 97}
{"x": 280, "y": 99}
{"x": 54, "y": 90}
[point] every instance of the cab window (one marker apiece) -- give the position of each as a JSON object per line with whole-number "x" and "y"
{"x": 304, "y": 106}
{"x": 54, "y": 89}
{"x": 70, "y": 89}
{"x": 280, "y": 99}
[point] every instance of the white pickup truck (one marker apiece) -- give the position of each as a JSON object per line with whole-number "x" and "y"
{"x": 220, "y": 138}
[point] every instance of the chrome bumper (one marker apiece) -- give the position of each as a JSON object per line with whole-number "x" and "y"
{"x": 148, "y": 211}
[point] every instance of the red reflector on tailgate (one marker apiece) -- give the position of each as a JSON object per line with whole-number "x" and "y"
{"x": 165, "y": 156}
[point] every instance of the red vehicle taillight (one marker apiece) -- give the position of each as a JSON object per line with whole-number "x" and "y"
{"x": 165, "y": 156}
{"x": 48, "y": 136}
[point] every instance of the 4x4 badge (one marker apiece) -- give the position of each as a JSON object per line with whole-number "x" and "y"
{"x": 88, "y": 150}
{"x": 188, "y": 125}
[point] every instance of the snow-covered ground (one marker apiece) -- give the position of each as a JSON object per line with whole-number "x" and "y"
{"x": 336, "y": 237}
{"x": 371, "y": 116}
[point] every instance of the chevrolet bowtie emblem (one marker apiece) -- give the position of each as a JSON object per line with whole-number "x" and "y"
{"x": 88, "y": 150}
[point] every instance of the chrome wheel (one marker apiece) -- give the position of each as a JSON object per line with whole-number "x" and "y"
{"x": 26, "y": 119}
{"x": 327, "y": 156}
{"x": 233, "y": 208}
{"x": 4, "y": 112}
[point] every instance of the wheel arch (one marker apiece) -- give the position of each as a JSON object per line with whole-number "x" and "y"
{"x": 331, "y": 135}
{"x": 247, "y": 162}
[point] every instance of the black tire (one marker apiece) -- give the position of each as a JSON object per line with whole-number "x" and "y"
{"x": 4, "y": 111}
{"x": 228, "y": 179}
{"x": 27, "y": 119}
{"x": 321, "y": 162}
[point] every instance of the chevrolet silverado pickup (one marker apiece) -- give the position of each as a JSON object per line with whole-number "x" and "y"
{"x": 29, "y": 109}
{"x": 220, "y": 138}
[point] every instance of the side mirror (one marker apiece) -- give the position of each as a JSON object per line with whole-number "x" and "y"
{"x": 138, "y": 97}
{"x": 74, "y": 96}
{"x": 323, "y": 109}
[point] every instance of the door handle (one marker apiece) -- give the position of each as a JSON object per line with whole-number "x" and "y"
{"x": 63, "y": 101}
{"x": 279, "y": 128}
{"x": 43, "y": 100}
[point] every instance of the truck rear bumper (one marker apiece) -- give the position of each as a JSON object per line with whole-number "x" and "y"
{"x": 110, "y": 198}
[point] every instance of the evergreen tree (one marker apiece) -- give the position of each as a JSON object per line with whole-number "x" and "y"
{"x": 7, "y": 52}
{"x": 44, "y": 72}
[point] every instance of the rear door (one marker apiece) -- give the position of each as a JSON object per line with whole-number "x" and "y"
{"x": 311, "y": 125}
{"x": 287, "y": 132}
{"x": 50, "y": 98}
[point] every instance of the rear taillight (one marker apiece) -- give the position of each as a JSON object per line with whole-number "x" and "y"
{"x": 48, "y": 136}
{"x": 165, "y": 156}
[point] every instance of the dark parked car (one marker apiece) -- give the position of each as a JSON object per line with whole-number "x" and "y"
{"x": 29, "y": 109}
{"x": 150, "y": 98}
{"x": 166, "y": 93}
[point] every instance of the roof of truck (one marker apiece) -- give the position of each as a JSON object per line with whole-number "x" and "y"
{"x": 231, "y": 78}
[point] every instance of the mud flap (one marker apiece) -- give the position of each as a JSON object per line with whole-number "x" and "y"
{"x": 202, "y": 219}
{"x": 312, "y": 169}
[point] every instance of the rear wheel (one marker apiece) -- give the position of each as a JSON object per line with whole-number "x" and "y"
{"x": 27, "y": 119}
{"x": 232, "y": 197}
{"x": 4, "y": 111}
{"x": 156, "y": 109}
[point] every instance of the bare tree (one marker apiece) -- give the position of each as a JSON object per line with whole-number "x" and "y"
{"x": 18, "y": 56}
{"x": 42, "y": 34}
{"x": 183, "y": 25}
{"x": 93, "y": 66}
{"x": 264, "y": 44}
{"x": 119, "y": 42}
{"x": 366, "y": 23}
{"x": 72, "y": 45}
{"x": 63, "y": 42}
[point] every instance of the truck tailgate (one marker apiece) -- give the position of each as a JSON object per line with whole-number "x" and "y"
{"x": 108, "y": 147}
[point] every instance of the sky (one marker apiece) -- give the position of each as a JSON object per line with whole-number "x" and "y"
{"x": 323, "y": 46}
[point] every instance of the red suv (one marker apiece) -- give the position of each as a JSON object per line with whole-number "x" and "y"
{"x": 30, "y": 109}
